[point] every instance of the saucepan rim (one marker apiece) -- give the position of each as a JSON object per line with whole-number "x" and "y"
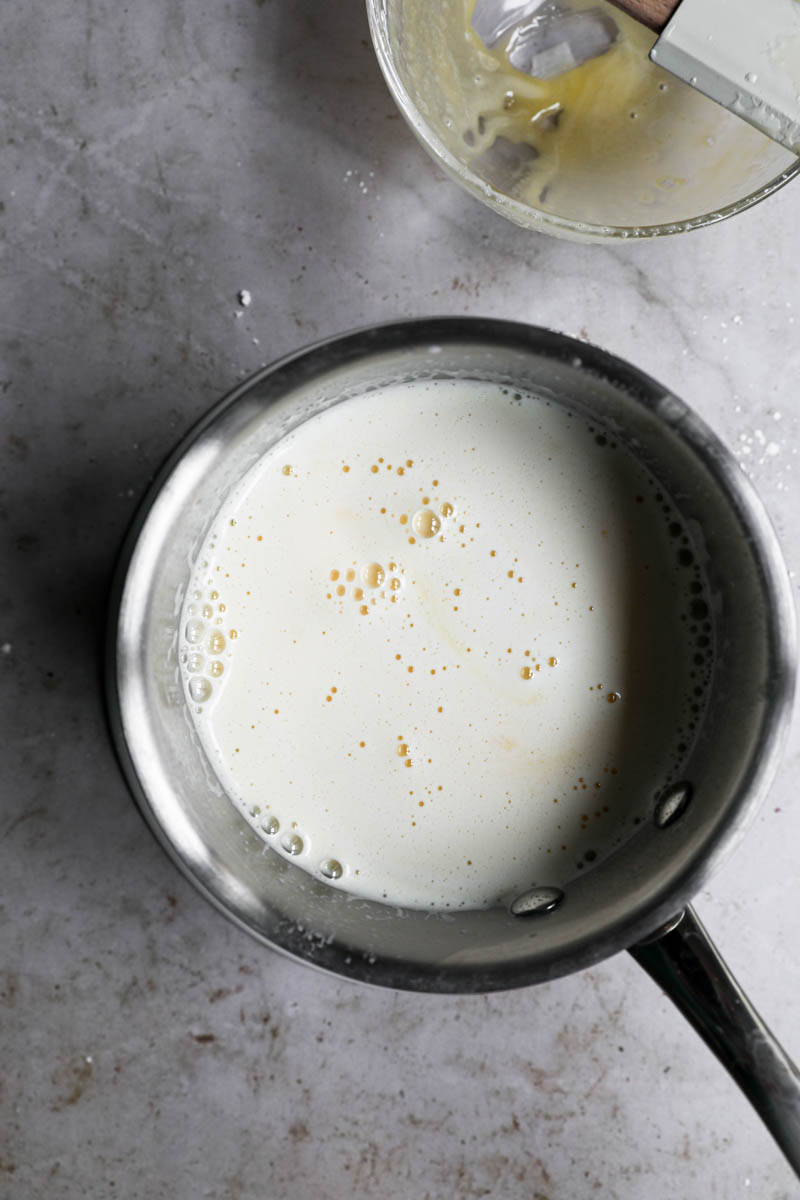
{"x": 361, "y": 344}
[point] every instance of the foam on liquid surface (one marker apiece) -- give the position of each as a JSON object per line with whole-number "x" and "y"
{"x": 445, "y": 642}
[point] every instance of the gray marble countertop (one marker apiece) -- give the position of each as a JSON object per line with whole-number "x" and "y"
{"x": 155, "y": 160}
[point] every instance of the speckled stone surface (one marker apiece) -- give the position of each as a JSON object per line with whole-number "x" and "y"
{"x": 156, "y": 159}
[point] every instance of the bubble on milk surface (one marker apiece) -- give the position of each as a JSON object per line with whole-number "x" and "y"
{"x": 425, "y": 523}
{"x": 373, "y": 575}
{"x": 293, "y": 844}
{"x": 216, "y": 642}
{"x": 194, "y": 630}
{"x": 200, "y": 689}
{"x": 331, "y": 868}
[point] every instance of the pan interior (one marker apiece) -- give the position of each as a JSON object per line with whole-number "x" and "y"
{"x": 606, "y": 903}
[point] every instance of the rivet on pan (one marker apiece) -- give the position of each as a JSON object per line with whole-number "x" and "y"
{"x": 536, "y": 901}
{"x": 672, "y": 803}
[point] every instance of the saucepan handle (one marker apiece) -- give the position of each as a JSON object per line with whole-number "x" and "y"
{"x": 684, "y": 961}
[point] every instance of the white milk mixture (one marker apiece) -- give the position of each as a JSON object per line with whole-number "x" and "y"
{"x": 445, "y": 642}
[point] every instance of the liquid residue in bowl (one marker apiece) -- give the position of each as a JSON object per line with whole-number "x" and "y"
{"x": 614, "y": 141}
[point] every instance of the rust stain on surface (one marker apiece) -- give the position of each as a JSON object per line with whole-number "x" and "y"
{"x": 298, "y": 1131}
{"x": 74, "y": 1080}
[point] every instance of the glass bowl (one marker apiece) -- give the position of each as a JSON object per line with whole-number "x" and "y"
{"x": 685, "y": 164}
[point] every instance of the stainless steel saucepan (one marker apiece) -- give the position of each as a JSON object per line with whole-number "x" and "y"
{"x": 638, "y": 897}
